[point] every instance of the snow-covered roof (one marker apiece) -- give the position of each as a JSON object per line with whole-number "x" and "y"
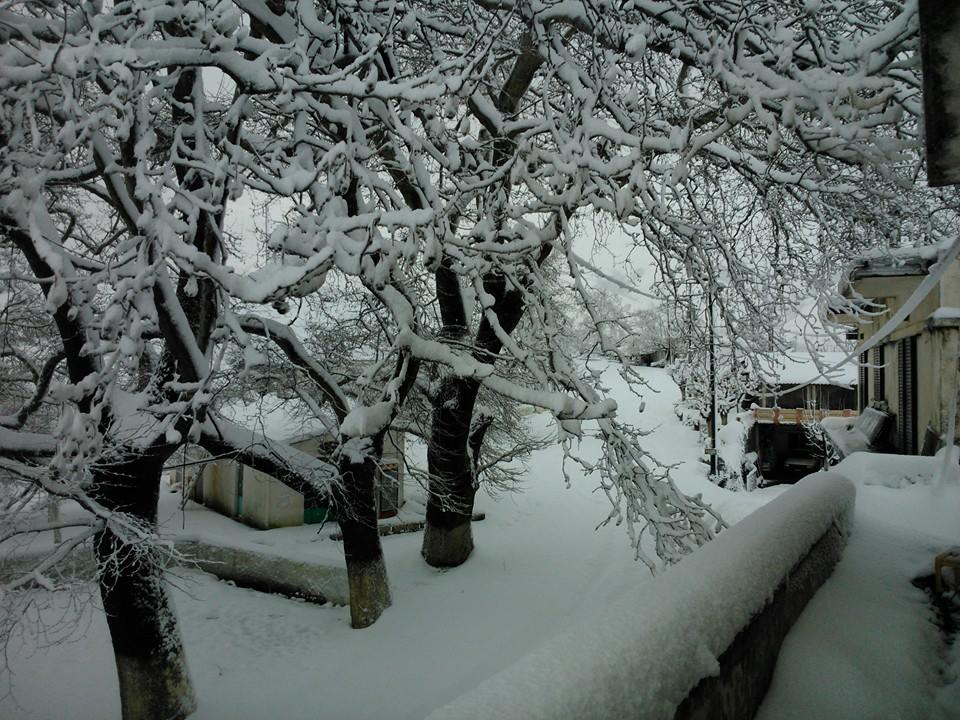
{"x": 889, "y": 262}
{"x": 278, "y": 419}
{"x": 800, "y": 367}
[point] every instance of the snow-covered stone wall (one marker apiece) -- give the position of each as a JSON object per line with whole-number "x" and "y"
{"x": 701, "y": 641}
{"x": 259, "y": 570}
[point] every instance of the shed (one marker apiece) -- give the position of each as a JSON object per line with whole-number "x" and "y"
{"x": 262, "y": 501}
{"x": 782, "y": 411}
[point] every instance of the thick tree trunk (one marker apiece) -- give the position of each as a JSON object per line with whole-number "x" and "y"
{"x": 151, "y": 664}
{"x": 448, "y": 536}
{"x": 356, "y": 508}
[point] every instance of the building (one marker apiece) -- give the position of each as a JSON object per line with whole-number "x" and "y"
{"x": 257, "y": 499}
{"x": 783, "y": 413}
{"x": 653, "y": 358}
{"x": 912, "y": 373}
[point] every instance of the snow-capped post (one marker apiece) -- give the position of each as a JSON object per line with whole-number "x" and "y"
{"x": 940, "y": 54}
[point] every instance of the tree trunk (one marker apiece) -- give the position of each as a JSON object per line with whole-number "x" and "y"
{"x": 448, "y": 536}
{"x": 151, "y": 664}
{"x": 356, "y": 508}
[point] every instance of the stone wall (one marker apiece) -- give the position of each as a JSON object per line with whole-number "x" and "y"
{"x": 746, "y": 667}
{"x": 247, "y": 568}
{"x": 268, "y": 573}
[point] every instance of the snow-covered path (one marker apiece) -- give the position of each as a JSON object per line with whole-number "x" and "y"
{"x": 866, "y": 648}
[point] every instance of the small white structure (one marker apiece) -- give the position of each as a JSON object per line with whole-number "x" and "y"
{"x": 257, "y": 499}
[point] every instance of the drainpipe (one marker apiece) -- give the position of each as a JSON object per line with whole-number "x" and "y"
{"x": 713, "y": 384}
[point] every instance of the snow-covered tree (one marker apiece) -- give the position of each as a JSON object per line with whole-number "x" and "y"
{"x": 788, "y": 137}
{"x": 729, "y": 139}
{"x": 111, "y": 159}
{"x": 430, "y": 152}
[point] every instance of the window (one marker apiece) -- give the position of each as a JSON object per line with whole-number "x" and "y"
{"x": 389, "y": 495}
{"x": 863, "y": 383}
{"x": 907, "y": 394}
{"x": 879, "y": 391}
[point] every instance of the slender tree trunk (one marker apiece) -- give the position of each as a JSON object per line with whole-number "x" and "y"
{"x": 356, "y": 508}
{"x": 151, "y": 664}
{"x": 448, "y": 536}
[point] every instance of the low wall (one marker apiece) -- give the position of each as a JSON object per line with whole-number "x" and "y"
{"x": 247, "y": 568}
{"x": 701, "y": 641}
{"x": 746, "y": 667}
{"x": 268, "y": 573}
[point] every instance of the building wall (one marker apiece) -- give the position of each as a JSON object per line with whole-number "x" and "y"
{"x": 391, "y": 460}
{"x": 890, "y": 382}
{"x": 928, "y": 384}
{"x": 950, "y": 287}
{"x": 891, "y": 378}
{"x": 219, "y": 480}
{"x": 893, "y": 292}
{"x": 393, "y": 444}
{"x": 937, "y": 346}
{"x": 937, "y": 352}
{"x": 268, "y": 503}
{"x": 818, "y": 395}
{"x": 393, "y": 454}
{"x": 942, "y": 394}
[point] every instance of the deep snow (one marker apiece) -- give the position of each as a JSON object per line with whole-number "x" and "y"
{"x": 540, "y": 567}
{"x": 866, "y": 646}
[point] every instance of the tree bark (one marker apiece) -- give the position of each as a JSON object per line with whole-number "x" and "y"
{"x": 356, "y": 508}
{"x": 354, "y": 496}
{"x": 151, "y": 665}
{"x": 448, "y": 535}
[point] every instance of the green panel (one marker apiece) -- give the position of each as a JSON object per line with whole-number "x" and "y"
{"x": 316, "y": 515}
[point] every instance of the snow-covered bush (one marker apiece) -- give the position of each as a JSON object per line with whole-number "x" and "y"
{"x": 737, "y": 468}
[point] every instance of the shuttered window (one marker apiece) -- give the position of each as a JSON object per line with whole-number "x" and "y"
{"x": 863, "y": 382}
{"x": 879, "y": 391}
{"x": 907, "y": 394}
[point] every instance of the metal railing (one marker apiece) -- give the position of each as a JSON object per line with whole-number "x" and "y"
{"x": 796, "y": 416}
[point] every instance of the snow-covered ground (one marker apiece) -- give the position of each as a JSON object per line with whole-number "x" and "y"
{"x": 866, "y": 646}
{"x": 540, "y": 566}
